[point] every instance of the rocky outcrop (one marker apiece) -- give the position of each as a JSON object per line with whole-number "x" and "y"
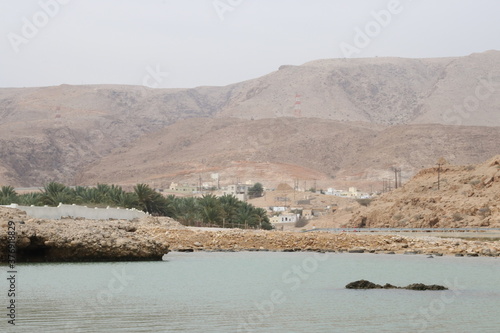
{"x": 468, "y": 196}
{"x": 364, "y": 284}
{"x": 81, "y": 240}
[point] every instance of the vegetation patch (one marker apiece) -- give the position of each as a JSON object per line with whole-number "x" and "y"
{"x": 226, "y": 211}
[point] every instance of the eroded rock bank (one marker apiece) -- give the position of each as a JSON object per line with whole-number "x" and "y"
{"x": 255, "y": 240}
{"x": 79, "y": 240}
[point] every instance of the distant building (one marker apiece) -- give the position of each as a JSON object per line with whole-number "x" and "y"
{"x": 285, "y": 218}
{"x": 307, "y": 213}
{"x": 351, "y": 193}
{"x": 185, "y": 188}
{"x": 240, "y": 191}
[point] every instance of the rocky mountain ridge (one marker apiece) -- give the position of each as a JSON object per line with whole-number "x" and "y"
{"x": 61, "y": 133}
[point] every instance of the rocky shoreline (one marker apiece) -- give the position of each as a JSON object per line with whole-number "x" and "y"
{"x": 78, "y": 240}
{"x": 152, "y": 237}
{"x": 242, "y": 240}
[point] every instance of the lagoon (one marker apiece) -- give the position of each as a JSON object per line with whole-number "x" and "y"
{"x": 258, "y": 292}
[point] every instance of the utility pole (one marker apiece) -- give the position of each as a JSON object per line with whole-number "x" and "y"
{"x": 396, "y": 172}
{"x": 440, "y": 162}
{"x": 439, "y": 174}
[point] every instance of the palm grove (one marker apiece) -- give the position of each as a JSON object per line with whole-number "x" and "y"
{"x": 208, "y": 210}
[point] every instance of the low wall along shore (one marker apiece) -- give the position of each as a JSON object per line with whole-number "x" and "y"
{"x": 56, "y": 213}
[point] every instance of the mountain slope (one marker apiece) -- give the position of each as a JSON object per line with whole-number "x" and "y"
{"x": 287, "y": 149}
{"x": 468, "y": 196}
{"x": 55, "y": 133}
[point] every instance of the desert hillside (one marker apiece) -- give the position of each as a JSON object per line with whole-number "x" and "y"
{"x": 286, "y": 149}
{"x": 468, "y": 196}
{"x": 352, "y": 124}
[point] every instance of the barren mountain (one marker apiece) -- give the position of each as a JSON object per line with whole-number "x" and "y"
{"x": 288, "y": 149}
{"x": 63, "y": 132}
{"x": 468, "y": 196}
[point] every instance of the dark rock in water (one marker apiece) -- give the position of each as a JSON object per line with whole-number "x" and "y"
{"x": 185, "y": 250}
{"x": 364, "y": 284}
{"x": 459, "y": 255}
{"x": 421, "y": 286}
{"x": 389, "y": 286}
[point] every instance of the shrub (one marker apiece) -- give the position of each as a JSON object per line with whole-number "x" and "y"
{"x": 364, "y": 202}
{"x": 457, "y": 217}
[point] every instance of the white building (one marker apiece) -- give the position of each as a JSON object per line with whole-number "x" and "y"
{"x": 240, "y": 191}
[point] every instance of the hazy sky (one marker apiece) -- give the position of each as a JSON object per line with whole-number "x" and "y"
{"x": 188, "y": 43}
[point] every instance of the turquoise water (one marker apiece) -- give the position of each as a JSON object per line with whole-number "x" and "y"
{"x": 258, "y": 292}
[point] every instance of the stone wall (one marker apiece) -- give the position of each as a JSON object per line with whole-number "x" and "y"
{"x": 56, "y": 213}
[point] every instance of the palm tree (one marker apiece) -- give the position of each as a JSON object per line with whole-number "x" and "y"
{"x": 126, "y": 200}
{"x": 87, "y": 195}
{"x": 28, "y": 199}
{"x": 186, "y": 210}
{"x": 247, "y": 216}
{"x": 230, "y": 205}
{"x": 210, "y": 209}
{"x": 150, "y": 201}
{"x": 55, "y": 193}
{"x": 264, "y": 222}
{"x": 8, "y": 195}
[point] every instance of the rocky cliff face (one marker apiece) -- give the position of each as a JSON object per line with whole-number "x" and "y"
{"x": 41, "y": 240}
{"x": 468, "y": 196}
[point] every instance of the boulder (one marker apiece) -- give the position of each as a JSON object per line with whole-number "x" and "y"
{"x": 421, "y": 286}
{"x": 363, "y": 284}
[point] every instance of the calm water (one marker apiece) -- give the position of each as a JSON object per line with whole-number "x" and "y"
{"x": 258, "y": 292}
